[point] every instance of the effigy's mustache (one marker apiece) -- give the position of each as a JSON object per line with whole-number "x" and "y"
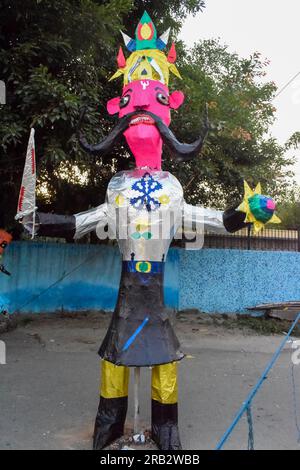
{"x": 181, "y": 151}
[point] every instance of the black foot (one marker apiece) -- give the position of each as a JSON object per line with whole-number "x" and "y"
{"x": 166, "y": 437}
{"x": 165, "y": 426}
{"x": 110, "y": 420}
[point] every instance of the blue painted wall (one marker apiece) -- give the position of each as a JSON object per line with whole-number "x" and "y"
{"x": 228, "y": 281}
{"x": 90, "y": 273}
{"x": 223, "y": 281}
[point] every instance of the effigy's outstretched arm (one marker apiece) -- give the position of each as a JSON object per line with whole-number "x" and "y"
{"x": 256, "y": 210}
{"x": 234, "y": 220}
{"x": 67, "y": 226}
{"x": 213, "y": 220}
{"x": 88, "y": 221}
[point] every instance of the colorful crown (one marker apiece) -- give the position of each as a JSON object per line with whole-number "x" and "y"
{"x": 146, "y": 61}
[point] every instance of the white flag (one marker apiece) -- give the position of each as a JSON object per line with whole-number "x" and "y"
{"x": 26, "y": 203}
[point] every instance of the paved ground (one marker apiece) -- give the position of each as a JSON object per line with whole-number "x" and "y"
{"x": 49, "y": 386}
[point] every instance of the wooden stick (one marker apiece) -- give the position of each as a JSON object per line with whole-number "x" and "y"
{"x": 137, "y": 375}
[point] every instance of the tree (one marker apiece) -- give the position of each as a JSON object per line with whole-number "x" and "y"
{"x": 288, "y": 209}
{"x": 56, "y": 56}
{"x": 241, "y": 112}
{"x": 289, "y": 213}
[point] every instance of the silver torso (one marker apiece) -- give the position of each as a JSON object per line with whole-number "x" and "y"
{"x": 144, "y": 209}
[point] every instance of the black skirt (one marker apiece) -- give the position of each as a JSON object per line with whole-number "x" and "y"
{"x": 140, "y": 333}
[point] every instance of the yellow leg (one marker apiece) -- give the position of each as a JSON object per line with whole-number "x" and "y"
{"x": 164, "y": 383}
{"x": 111, "y": 415}
{"x": 114, "y": 380}
{"x": 164, "y": 407}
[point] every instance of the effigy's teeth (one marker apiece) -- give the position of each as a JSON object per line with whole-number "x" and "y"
{"x": 141, "y": 119}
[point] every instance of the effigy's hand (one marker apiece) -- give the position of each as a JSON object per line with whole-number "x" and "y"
{"x": 28, "y": 222}
{"x": 259, "y": 209}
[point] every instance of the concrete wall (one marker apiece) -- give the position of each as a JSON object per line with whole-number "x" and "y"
{"x": 50, "y": 277}
{"x": 225, "y": 281}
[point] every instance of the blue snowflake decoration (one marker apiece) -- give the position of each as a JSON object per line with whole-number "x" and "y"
{"x": 146, "y": 187}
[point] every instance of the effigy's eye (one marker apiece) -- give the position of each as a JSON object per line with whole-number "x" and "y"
{"x": 124, "y": 101}
{"x": 163, "y": 99}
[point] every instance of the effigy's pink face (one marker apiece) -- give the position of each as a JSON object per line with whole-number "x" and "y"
{"x": 142, "y": 135}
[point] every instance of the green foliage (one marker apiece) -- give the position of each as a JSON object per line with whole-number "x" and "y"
{"x": 241, "y": 112}
{"x": 57, "y": 55}
{"x": 293, "y": 142}
{"x": 289, "y": 214}
{"x": 289, "y": 209}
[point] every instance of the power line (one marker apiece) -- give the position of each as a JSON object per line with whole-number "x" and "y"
{"x": 286, "y": 85}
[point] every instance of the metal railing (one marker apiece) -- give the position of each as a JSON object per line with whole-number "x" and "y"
{"x": 267, "y": 239}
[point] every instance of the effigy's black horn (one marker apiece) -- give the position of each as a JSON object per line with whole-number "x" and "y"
{"x": 107, "y": 144}
{"x": 184, "y": 152}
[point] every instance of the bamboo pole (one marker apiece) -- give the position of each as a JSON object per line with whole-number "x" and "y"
{"x": 137, "y": 375}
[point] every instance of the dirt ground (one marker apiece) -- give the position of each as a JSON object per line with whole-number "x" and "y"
{"x": 49, "y": 385}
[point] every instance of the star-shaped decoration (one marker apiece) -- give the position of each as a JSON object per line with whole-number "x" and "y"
{"x": 259, "y": 209}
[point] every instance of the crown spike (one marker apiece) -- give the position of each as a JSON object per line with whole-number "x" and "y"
{"x": 121, "y": 61}
{"x": 145, "y": 33}
{"x": 129, "y": 42}
{"x": 147, "y": 57}
{"x": 172, "y": 54}
{"x": 162, "y": 41}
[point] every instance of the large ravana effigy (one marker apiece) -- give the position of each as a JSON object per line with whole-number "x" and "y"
{"x": 138, "y": 204}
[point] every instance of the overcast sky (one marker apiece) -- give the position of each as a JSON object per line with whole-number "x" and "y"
{"x": 270, "y": 27}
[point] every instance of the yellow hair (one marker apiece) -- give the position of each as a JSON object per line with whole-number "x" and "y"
{"x": 151, "y": 64}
